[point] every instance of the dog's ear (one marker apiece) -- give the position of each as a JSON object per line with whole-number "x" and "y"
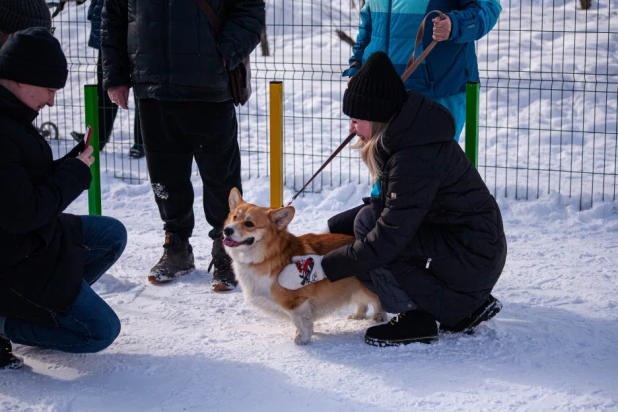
{"x": 235, "y": 198}
{"x": 282, "y": 216}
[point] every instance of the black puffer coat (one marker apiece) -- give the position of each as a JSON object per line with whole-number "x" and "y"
{"x": 41, "y": 257}
{"x": 168, "y": 50}
{"x": 434, "y": 205}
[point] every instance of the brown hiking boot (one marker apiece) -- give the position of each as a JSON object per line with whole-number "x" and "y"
{"x": 177, "y": 260}
{"x": 223, "y": 279}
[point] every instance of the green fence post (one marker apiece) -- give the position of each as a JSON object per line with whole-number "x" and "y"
{"x": 92, "y": 120}
{"x": 472, "y": 122}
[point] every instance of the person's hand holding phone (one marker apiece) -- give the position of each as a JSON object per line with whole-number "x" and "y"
{"x": 86, "y": 156}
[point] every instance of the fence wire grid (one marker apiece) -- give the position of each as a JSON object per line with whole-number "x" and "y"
{"x": 549, "y": 96}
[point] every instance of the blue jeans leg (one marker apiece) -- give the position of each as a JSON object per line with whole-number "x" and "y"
{"x": 104, "y": 240}
{"x": 90, "y": 325}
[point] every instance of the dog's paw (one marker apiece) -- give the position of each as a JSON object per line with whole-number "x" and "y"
{"x": 356, "y": 316}
{"x": 379, "y": 317}
{"x": 299, "y": 340}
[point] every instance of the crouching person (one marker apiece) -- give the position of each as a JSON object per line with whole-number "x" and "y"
{"x": 48, "y": 259}
{"x": 430, "y": 241}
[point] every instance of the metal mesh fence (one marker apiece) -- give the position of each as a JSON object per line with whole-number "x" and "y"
{"x": 548, "y": 108}
{"x": 549, "y": 95}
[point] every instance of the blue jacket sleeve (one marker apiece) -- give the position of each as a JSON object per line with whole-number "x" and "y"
{"x": 362, "y": 40}
{"x": 474, "y": 19}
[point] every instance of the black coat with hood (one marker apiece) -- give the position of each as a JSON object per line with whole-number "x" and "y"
{"x": 168, "y": 50}
{"x": 41, "y": 255}
{"x": 435, "y": 211}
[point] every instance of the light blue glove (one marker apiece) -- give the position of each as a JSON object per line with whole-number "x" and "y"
{"x": 351, "y": 71}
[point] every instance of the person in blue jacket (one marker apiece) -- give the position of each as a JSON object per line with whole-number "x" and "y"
{"x": 391, "y": 26}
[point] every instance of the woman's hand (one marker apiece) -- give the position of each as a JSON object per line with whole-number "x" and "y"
{"x": 86, "y": 156}
{"x": 304, "y": 271}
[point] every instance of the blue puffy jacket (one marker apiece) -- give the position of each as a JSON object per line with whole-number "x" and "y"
{"x": 94, "y": 15}
{"x": 391, "y": 26}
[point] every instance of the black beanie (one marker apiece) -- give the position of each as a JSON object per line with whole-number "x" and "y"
{"x": 17, "y": 15}
{"x": 33, "y": 56}
{"x": 376, "y": 92}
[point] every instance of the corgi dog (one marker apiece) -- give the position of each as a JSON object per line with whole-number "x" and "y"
{"x": 257, "y": 240}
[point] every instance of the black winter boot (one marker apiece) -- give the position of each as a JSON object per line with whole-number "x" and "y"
{"x": 488, "y": 310}
{"x": 137, "y": 151}
{"x": 177, "y": 260}
{"x": 223, "y": 279}
{"x": 407, "y": 327}
{"x": 7, "y": 359}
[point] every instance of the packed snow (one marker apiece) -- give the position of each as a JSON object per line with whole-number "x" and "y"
{"x": 183, "y": 347}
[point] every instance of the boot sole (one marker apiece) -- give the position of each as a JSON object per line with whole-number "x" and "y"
{"x": 490, "y": 311}
{"x": 155, "y": 281}
{"x": 14, "y": 363}
{"x": 386, "y": 343}
{"x": 222, "y": 287}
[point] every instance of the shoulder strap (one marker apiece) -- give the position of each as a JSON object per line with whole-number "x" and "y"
{"x": 208, "y": 11}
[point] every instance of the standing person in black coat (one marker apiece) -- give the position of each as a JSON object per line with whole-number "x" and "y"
{"x": 48, "y": 259}
{"x": 169, "y": 53}
{"x": 430, "y": 241}
{"x": 107, "y": 111}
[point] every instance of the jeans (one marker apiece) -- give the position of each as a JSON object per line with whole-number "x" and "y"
{"x": 456, "y": 104}
{"x": 90, "y": 325}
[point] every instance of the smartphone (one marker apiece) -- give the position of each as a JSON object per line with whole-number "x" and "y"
{"x": 88, "y": 136}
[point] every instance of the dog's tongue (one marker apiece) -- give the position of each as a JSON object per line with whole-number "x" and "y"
{"x": 229, "y": 242}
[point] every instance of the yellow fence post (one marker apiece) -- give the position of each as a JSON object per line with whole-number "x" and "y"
{"x": 276, "y": 144}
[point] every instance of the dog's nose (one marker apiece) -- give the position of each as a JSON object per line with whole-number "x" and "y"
{"x": 228, "y": 231}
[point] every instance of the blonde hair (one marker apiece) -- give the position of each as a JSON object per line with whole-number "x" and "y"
{"x": 369, "y": 150}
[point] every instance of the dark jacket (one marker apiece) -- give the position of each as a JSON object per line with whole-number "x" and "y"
{"x": 168, "y": 50}
{"x": 434, "y": 205}
{"x": 94, "y": 15}
{"x": 41, "y": 257}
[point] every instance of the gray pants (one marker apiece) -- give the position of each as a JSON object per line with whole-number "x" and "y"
{"x": 381, "y": 281}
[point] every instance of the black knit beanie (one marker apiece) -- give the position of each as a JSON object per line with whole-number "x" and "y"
{"x": 376, "y": 92}
{"x": 33, "y": 56}
{"x": 17, "y": 15}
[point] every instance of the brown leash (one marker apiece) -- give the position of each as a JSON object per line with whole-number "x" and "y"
{"x": 410, "y": 67}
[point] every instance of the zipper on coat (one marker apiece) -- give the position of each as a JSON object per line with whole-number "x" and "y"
{"x": 429, "y": 75}
{"x": 165, "y": 11}
{"x": 388, "y": 27}
{"x": 428, "y": 263}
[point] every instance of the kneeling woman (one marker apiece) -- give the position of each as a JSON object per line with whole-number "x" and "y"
{"x": 429, "y": 241}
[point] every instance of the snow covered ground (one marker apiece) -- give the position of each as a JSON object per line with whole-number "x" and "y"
{"x": 182, "y": 347}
